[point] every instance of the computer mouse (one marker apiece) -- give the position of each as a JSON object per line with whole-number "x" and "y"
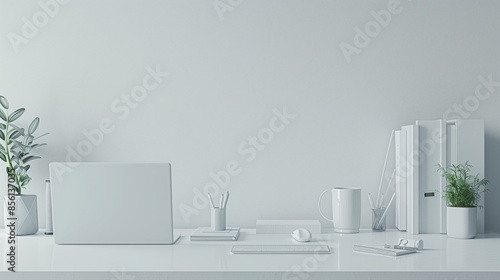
{"x": 302, "y": 235}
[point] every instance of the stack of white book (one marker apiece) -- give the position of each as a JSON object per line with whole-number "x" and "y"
{"x": 206, "y": 234}
{"x": 382, "y": 250}
{"x": 419, "y": 149}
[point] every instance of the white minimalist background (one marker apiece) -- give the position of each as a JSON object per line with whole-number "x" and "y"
{"x": 226, "y": 75}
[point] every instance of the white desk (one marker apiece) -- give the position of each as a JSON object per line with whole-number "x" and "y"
{"x": 444, "y": 258}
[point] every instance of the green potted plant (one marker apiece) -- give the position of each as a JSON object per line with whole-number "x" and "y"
{"x": 462, "y": 194}
{"x": 16, "y": 146}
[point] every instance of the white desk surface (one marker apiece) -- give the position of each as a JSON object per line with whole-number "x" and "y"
{"x": 443, "y": 258}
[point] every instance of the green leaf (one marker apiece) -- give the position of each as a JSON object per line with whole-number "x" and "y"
{"x": 3, "y": 126}
{"x": 16, "y": 114}
{"x": 34, "y": 125}
{"x": 20, "y": 171}
{"x": 16, "y": 160}
{"x": 15, "y": 134}
{"x": 4, "y": 102}
{"x": 3, "y": 157}
{"x": 2, "y": 135}
{"x": 38, "y": 145}
{"x": 41, "y": 136}
{"x": 3, "y": 116}
{"x": 30, "y": 158}
{"x": 16, "y": 128}
{"x": 19, "y": 145}
{"x": 28, "y": 140}
{"x": 25, "y": 181}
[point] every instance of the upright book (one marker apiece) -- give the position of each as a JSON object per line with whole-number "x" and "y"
{"x": 432, "y": 142}
{"x": 400, "y": 154}
{"x": 412, "y": 183}
{"x": 469, "y": 140}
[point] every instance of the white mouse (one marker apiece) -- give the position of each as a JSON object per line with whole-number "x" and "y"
{"x": 302, "y": 235}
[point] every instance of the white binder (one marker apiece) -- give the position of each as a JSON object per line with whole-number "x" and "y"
{"x": 432, "y": 142}
{"x": 412, "y": 178}
{"x": 400, "y": 154}
{"x": 470, "y": 147}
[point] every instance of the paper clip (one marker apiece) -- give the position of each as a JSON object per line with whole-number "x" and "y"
{"x": 401, "y": 246}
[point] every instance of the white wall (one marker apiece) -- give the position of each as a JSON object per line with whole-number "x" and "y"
{"x": 226, "y": 77}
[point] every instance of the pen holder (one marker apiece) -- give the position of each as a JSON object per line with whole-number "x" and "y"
{"x": 378, "y": 219}
{"x": 218, "y": 216}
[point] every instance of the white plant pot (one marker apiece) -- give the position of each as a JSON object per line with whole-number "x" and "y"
{"x": 461, "y": 222}
{"x": 26, "y": 214}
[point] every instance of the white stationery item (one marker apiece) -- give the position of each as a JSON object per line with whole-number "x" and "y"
{"x": 401, "y": 197}
{"x": 382, "y": 217}
{"x": 380, "y": 197}
{"x": 112, "y": 203}
{"x": 412, "y": 243}
{"x": 218, "y": 219}
{"x": 378, "y": 219}
{"x": 382, "y": 250}
{"x": 431, "y": 184}
{"x": 346, "y": 209}
{"x": 210, "y": 200}
{"x": 48, "y": 208}
{"x": 207, "y": 234}
{"x": 412, "y": 171}
{"x": 468, "y": 145}
{"x": 286, "y": 226}
{"x": 280, "y": 249}
{"x": 301, "y": 235}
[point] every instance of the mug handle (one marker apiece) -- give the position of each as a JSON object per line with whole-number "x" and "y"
{"x": 319, "y": 206}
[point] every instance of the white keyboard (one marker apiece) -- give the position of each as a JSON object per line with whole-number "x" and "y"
{"x": 280, "y": 249}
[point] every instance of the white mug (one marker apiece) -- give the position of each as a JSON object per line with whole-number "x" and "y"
{"x": 346, "y": 209}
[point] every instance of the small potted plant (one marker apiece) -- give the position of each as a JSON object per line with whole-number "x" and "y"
{"x": 462, "y": 194}
{"x": 16, "y": 146}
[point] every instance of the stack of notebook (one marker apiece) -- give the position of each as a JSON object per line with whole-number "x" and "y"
{"x": 206, "y": 234}
{"x": 381, "y": 250}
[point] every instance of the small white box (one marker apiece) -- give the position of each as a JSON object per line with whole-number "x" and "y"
{"x": 286, "y": 226}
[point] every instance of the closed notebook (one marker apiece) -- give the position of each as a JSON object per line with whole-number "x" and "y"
{"x": 206, "y": 234}
{"x": 381, "y": 250}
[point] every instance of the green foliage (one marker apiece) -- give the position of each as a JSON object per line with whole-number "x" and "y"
{"x": 463, "y": 189}
{"x": 17, "y": 144}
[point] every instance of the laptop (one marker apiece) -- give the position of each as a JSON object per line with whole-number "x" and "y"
{"x": 112, "y": 203}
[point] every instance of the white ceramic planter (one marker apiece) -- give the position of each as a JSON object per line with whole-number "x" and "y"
{"x": 461, "y": 222}
{"x": 25, "y": 212}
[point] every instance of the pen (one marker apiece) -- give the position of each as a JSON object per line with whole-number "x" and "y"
{"x": 210, "y": 199}
{"x": 385, "y": 211}
{"x": 371, "y": 201}
{"x": 381, "y": 201}
{"x": 221, "y": 200}
{"x": 226, "y": 197}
